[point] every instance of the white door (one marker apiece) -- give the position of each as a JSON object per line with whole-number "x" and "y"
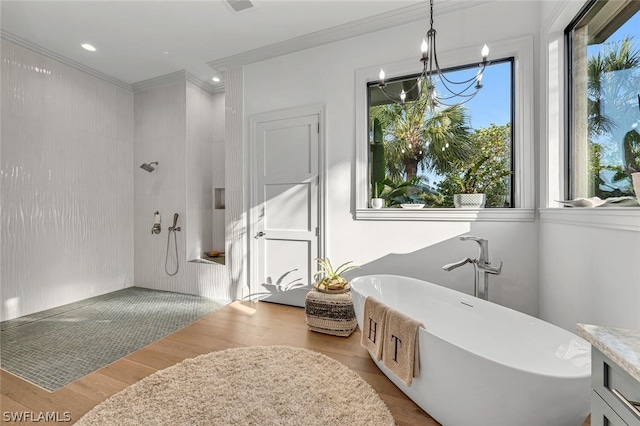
{"x": 285, "y": 206}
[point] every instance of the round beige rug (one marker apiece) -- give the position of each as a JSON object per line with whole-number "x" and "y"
{"x": 262, "y": 385}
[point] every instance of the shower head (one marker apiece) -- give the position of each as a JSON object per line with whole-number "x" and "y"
{"x": 149, "y": 167}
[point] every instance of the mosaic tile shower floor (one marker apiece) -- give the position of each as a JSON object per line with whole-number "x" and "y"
{"x": 55, "y": 347}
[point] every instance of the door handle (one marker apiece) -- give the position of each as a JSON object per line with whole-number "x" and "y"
{"x": 260, "y": 234}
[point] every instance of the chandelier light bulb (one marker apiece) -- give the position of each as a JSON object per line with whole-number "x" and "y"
{"x": 485, "y": 52}
{"x": 403, "y": 96}
{"x": 381, "y": 75}
{"x": 424, "y": 48}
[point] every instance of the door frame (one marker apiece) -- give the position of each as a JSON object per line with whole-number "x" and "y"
{"x": 254, "y": 121}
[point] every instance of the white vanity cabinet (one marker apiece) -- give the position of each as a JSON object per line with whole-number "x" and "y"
{"x": 615, "y": 375}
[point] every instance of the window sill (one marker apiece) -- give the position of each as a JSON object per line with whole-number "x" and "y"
{"x": 448, "y": 215}
{"x": 621, "y": 218}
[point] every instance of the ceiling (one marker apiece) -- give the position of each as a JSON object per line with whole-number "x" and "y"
{"x": 139, "y": 40}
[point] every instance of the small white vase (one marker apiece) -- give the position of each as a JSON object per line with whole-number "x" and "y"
{"x": 635, "y": 177}
{"x": 377, "y": 203}
{"x": 469, "y": 201}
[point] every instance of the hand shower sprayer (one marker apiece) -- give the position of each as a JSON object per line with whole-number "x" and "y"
{"x": 175, "y": 222}
{"x": 172, "y": 230}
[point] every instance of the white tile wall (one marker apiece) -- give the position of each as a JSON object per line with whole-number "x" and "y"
{"x": 66, "y": 184}
{"x": 162, "y": 130}
{"x": 218, "y": 225}
{"x": 199, "y": 153}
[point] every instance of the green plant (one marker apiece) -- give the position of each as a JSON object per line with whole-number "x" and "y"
{"x": 486, "y": 171}
{"x": 378, "y": 189}
{"x": 330, "y": 278}
{"x": 632, "y": 150}
{"x": 395, "y": 193}
{"x": 377, "y": 160}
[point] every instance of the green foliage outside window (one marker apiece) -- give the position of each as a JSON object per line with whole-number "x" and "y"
{"x": 486, "y": 171}
{"x": 407, "y": 139}
{"x": 613, "y": 79}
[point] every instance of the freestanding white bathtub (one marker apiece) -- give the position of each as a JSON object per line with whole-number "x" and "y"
{"x": 482, "y": 363}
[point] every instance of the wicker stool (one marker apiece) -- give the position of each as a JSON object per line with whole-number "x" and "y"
{"x": 330, "y": 313}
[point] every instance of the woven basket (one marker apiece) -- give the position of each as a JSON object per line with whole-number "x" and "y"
{"x": 330, "y": 313}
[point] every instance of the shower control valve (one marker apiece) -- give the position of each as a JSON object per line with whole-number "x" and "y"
{"x": 156, "y": 223}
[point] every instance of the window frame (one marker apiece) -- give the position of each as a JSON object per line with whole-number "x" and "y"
{"x": 523, "y": 152}
{"x": 471, "y": 66}
{"x": 554, "y": 149}
{"x": 591, "y": 7}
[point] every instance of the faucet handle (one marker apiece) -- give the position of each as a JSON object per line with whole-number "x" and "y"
{"x": 492, "y": 270}
{"x": 452, "y": 266}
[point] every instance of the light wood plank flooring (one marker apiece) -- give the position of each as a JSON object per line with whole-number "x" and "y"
{"x": 238, "y": 324}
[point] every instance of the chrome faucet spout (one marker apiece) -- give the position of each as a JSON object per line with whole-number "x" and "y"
{"x": 481, "y": 266}
{"x": 483, "y": 257}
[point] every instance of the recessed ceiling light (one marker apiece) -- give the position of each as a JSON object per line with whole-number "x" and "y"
{"x": 87, "y": 46}
{"x": 216, "y": 79}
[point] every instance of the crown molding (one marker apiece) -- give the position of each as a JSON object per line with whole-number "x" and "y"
{"x": 135, "y": 87}
{"x": 360, "y": 27}
{"x": 204, "y": 85}
{"x": 162, "y": 80}
{"x": 176, "y": 77}
{"x": 62, "y": 59}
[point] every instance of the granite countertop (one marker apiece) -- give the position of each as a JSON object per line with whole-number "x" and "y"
{"x": 620, "y": 344}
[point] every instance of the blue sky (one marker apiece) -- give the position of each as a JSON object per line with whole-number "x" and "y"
{"x": 631, "y": 27}
{"x": 491, "y": 104}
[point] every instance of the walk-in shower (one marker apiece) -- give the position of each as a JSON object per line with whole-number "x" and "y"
{"x": 149, "y": 166}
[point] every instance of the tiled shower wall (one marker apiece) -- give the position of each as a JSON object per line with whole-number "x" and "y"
{"x": 199, "y": 177}
{"x": 163, "y": 133}
{"x": 66, "y": 184}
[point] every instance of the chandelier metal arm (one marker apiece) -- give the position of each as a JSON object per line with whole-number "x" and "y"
{"x": 431, "y": 68}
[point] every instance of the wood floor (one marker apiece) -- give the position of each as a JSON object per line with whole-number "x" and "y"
{"x": 238, "y": 324}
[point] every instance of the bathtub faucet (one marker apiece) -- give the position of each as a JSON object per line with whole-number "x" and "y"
{"x": 482, "y": 267}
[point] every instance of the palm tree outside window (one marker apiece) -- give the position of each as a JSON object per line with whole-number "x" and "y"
{"x": 425, "y": 157}
{"x": 604, "y": 99}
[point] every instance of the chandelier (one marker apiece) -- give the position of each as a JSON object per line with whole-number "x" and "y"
{"x": 463, "y": 90}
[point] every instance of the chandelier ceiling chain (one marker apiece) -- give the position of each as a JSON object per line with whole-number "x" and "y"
{"x": 463, "y": 90}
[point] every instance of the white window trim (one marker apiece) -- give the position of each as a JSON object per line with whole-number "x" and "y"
{"x": 553, "y": 152}
{"x": 620, "y": 218}
{"x": 521, "y": 49}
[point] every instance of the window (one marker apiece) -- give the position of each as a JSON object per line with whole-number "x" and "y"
{"x": 603, "y": 47}
{"x": 418, "y": 156}
{"x": 519, "y": 54}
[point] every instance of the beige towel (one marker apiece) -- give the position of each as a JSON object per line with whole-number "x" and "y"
{"x": 400, "y": 348}
{"x": 375, "y": 313}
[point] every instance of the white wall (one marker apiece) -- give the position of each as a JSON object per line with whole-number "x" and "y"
{"x": 161, "y": 135}
{"x": 66, "y": 184}
{"x": 325, "y": 75}
{"x": 589, "y": 275}
{"x": 218, "y": 172}
{"x": 199, "y": 171}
